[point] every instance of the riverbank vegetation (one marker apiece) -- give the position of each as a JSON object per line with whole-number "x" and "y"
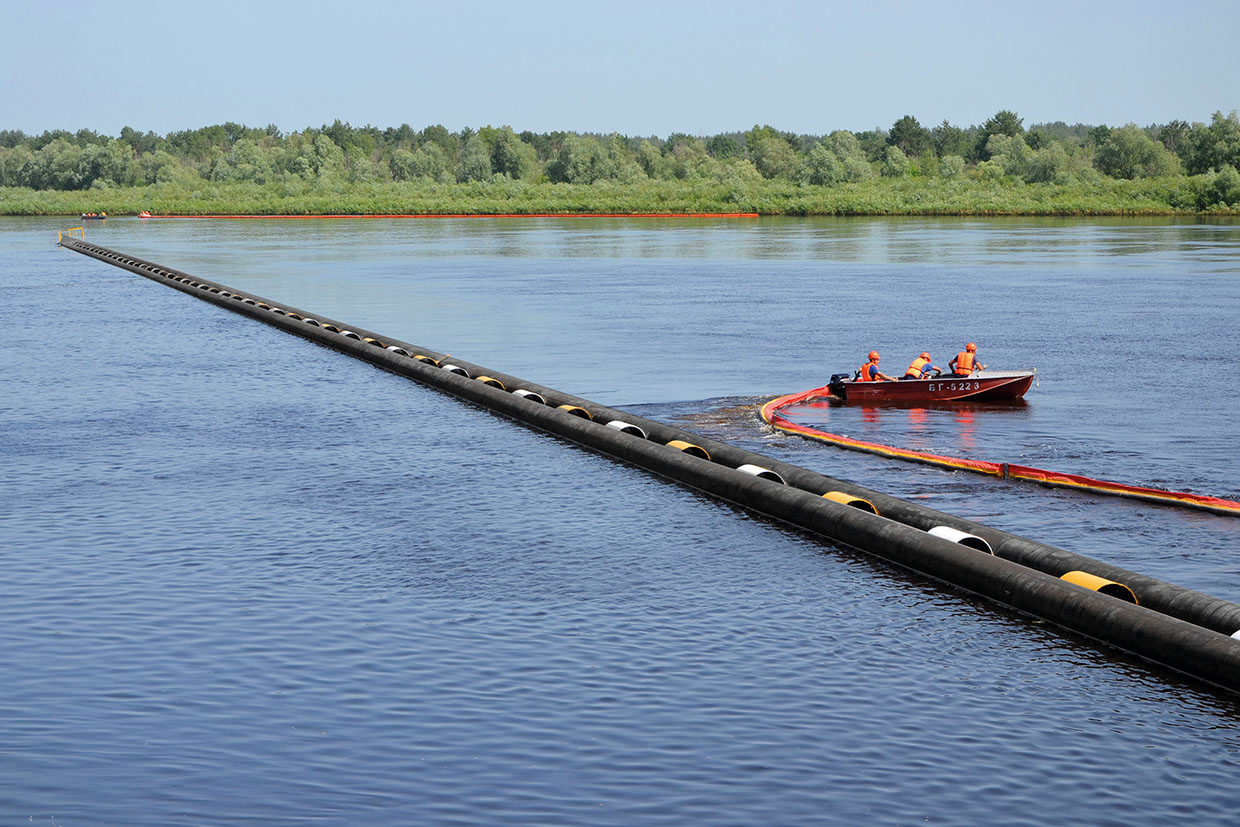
{"x": 998, "y": 168}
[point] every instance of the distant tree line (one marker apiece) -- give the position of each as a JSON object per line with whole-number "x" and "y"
{"x": 1000, "y": 149}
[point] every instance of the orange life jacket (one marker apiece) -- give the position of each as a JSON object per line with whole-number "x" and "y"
{"x": 866, "y": 376}
{"x": 915, "y": 369}
{"x": 964, "y": 363}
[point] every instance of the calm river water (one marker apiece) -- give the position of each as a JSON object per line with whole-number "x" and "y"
{"x": 248, "y": 580}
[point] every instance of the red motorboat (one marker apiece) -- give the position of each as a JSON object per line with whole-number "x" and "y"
{"x": 983, "y": 386}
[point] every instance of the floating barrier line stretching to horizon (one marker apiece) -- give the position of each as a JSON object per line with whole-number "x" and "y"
{"x": 1004, "y": 470}
{"x": 1183, "y": 629}
{"x": 487, "y": 215}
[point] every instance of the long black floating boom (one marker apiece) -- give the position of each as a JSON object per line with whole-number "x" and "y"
{"x": 1178, "y": 627}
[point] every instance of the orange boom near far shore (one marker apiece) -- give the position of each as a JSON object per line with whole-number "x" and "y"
{"x": 496, "y": 215}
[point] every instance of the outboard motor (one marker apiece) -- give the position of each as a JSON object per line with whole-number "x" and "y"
{"x": 837, "y": 379}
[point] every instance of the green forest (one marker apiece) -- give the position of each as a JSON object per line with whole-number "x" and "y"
{"x": 1000, "y": 167}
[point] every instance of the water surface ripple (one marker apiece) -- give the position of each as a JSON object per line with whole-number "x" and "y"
{"x": 247, "y": 579}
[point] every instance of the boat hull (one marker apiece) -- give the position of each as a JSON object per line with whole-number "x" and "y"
{"x": 986, "y": 386}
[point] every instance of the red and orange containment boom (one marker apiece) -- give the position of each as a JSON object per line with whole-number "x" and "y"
{"x": 1005, "y": 470}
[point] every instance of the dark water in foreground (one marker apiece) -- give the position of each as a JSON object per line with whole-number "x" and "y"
{"x": 246, "y": 579}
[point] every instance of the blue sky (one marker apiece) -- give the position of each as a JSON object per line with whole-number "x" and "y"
{"x": 636, "y": 67}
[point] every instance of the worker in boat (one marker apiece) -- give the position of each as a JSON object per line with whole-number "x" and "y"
{"x": 870, "y": 371}
{"x": 965, "y": 362}
{"x": 921, "y": 368}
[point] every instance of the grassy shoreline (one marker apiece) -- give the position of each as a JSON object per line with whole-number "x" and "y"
{"x": 906, "y": 196}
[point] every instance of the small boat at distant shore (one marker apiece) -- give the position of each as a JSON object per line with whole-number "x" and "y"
{"x": 94, "y": 216}
{"x": 144, "y": 214}
{"x": 984, "y": 386}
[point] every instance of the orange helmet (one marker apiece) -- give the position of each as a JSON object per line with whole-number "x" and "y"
{"x": 970, "y": 347}
{"x": 925, "y": 356}
{"x": 873, "y": 355}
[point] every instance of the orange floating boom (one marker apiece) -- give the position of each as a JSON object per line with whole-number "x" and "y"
{"x": 771, "y": 415}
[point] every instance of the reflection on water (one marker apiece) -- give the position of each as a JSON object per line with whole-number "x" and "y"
{"x": 964, "y": 419}
{"x": 949, "y": 427}
{"x": 918, "y": 422}
{"x": 941, "y": 241}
